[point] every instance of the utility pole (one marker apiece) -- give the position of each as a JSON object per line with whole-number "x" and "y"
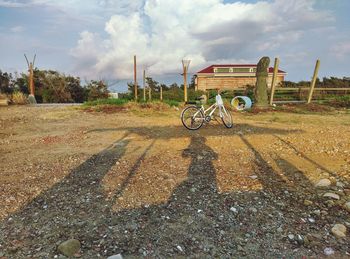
{"x": 144, "y": 85}
{"x": 31, "y": 97}
{"x": 185, "y": 65}
{"x": 135, "y": 82}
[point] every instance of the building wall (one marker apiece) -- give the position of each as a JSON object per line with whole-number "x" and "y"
{"x": 210, "y": 82}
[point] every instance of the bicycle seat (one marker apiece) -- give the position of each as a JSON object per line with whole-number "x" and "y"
{"x": 200, "y": 98}
{"x": 190, "y": 102}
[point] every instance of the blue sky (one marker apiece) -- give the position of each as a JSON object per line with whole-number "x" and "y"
{"x": 96, "y": 39}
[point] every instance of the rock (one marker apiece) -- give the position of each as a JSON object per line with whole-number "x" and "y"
{"x": 311, "y": 220}
{"x": 280, "y": 230}
{"x": 328, "y": 251}
{"x": 308, "y": 202}
{"x": 323, "y": 183}
{"x": 233, "y": 209}
{"x": 291, "y": 237}
{"x": 340, "y": 184}
{"x": 179, "y": 248}
{"x": 339, "y": 230}
{"x": 69, "y": 247}
{"x": 331, "y": 195}
{"x": 347, "y": 206}
{"x": 316, "y": 212}
{"x": 300, "y": 239}
{"x": 252, "y": 209}
{"x": 240, "y": 248}
{"x": 118, "y": 256}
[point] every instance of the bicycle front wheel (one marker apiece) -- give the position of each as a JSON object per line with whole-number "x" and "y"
{"x": 226, "y": 117}
{"x": 192, "y": 117}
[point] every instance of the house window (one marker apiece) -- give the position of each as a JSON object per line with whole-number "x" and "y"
{"x": 222, "y": 70}
{"x": 241, "y": 69}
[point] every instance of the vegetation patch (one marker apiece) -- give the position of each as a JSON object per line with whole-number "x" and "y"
{"x": 107, "y": 101}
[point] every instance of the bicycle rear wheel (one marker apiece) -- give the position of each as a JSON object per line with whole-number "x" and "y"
{"x": 192, "y": 117}
{"x": 226, "y": 117}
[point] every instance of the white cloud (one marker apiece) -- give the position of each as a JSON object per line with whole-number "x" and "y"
{"x": 11, "y": 4}
{"x": 17, "y": 29}
{"x": 341, "y": 50}
{"x": 162, "y": 32}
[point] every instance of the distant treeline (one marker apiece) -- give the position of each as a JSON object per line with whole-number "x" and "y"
{"x": 55, "y": 87}
{"x": 326, "y": 82}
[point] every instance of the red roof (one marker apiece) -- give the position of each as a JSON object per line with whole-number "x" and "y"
{"x": 210, "y": 69}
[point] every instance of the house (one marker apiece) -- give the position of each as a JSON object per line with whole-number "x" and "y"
{"x": 113, "y": 95}
{"x": 231, "y": 76}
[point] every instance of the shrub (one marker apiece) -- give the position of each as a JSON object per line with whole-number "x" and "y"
{"x": 19, "y": 98}
{"x": 109, "y": 101}
{"x": 171, "y": 103}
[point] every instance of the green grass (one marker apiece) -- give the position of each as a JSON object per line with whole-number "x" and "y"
{"x": 172, "y": 103}
{"x": 109, "y": 101}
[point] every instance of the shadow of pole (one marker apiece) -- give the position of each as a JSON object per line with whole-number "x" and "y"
{"x": 131, "y": 173}
{"x": 57, "y": 212}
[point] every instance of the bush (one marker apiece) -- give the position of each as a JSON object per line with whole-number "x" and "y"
{"x": 19, "y": 98}
{"x": 109, "y": 101}
{"x": 341, "y": 101}
{"x": 171, "y": 103}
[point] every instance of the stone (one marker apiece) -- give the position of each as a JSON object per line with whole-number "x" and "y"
{"x": 311, "y": 220}
{"x": 339, "y": 230}
{"x": 340, "y": 184}
{"x": 308, "y": 202}
{"x": 291, "y": 237}
{"x": 328, "y": 251}
{"x": 179, "y": 248}
{"x": 331, "y": 195}
{"x": 118, "y": 256}
{"x": 323, "y": 183}
{"x": 233, "y": 209}
{"x": 240, "y": 248}
{"x": 316, "y": 212}
{"x": 31, "y": 99}
{"x": 280, "y": 230}
{"x": 300, "y": 239}
{"x": 260, "y": 93}
{"x": 69, "y": 247}
{"x": 252, "y": 209}
{"x": 347, "y": 206}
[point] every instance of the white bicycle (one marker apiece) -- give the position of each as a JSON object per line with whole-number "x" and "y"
{"x": 194, "y": 116}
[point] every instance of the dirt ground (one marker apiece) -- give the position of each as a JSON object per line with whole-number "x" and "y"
{"x": 136, "y": 182}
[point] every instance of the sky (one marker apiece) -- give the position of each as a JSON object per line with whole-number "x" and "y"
{"x": 97, "y": 39}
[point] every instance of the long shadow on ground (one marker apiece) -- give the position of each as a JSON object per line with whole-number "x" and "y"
{"x": 196, "y": 221}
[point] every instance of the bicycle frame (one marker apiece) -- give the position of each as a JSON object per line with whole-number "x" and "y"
{"x": 212, "y": 109}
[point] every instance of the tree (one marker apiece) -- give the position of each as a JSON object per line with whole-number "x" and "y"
{"x": 97, "y": 90}
{"x": 154, "y": 85}
{"x": 6, "y": 83}
{"x": 192, "y": 85}
{"x": 78, "y": 93}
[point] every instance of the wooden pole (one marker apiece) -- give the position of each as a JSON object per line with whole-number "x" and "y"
{"x": 161, "y": 93}
{"x": 149, "y": 93}
{"x": 31, "y": 79}
{"x": 274, "y": 79}
{"x": 313, "y": 82}
{"x": 144, "y": 85}
{"x": 135, "y": 83}
{"x": 185, "y": 84}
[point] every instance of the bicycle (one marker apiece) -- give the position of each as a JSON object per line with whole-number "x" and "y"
{"x": 194, "y": 116}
